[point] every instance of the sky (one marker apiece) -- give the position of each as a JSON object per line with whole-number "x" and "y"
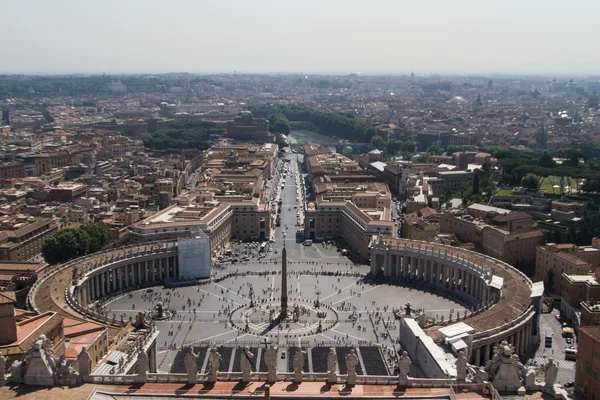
{"x": 307, "y": 36}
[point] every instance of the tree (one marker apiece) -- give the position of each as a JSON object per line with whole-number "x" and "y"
{"x": 407, "y": 155}
{"x": 488, "y": 186}
{"x": 546, "y": 160}
{"x": 476, "y": 183}
{"x": 590, "y": 149}
{"x": 281, "y": 143}
{"x": 329, "y": 123}
{"x": 531, "y": 181}
{"x": 70, "y": 243}
{"x": 278, "y": 123}
{"x": 453, "y": 149}
{"x": 436, "y": 150}
{"x": 394, "y": 146}
{"x": 423, "y": 158}
{"x": 377, "y": 142}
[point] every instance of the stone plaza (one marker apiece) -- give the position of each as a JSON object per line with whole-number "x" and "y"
{"x": 335, "y": 307}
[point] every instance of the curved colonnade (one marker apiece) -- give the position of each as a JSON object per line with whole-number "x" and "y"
{"x": 68, "y": 288}
{"x": 501, "y": 294}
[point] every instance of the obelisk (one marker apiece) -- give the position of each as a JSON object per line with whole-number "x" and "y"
{"x": 284, "y": 292}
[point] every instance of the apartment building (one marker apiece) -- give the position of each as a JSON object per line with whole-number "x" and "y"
{"x": 45, "y": 162}
{"x": 587, "y": 378}
{"x": 450, "y": 180}
{"x": 12, "y": 169}
{"x": 562, "y": 260}
{"x": 505, "y": 235}
{"x": 402, "y": 175}
{"x": 67, "y": 192}
{"x": 331, "y": 164}
{"x": 576, "y": 290}
{"x": 22, "y": 238}
{"x": 220, "y": 220}
{"x": 353, "y": 211}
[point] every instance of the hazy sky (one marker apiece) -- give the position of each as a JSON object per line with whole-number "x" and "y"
{"x": 311, "y": 36}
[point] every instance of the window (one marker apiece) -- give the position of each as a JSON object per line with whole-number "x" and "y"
{"x": 595, "y": 374}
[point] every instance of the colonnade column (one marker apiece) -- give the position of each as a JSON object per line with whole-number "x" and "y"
{"x": 471, "y": 281}
{"x": 387, "y": 270}
{"x": 102, "y": 287}
{"x": 443, "y": 267}
{"x": 110, "y": 280}
{"x": 119, "y": 278}
{"x": 486, "y": 354}
{"x": 91, "y": 285}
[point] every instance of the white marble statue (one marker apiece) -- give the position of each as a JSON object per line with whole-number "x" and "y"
{"x": 214, "y": 362}
{"x": 191, "y": 366}
{"x": 143, "y": 365}
{"x": 404, "y": 364}
{"x": 84, "y": 362}
{"x": 298, "y": 364}
{"x": 461, "y": 366}
{"x": 246, "y": 364}
{"x": 332, "y": 366}
{"x": 550, "y": 372}
{"x": 351, "y": 361}
{"x": 271, "y": 362}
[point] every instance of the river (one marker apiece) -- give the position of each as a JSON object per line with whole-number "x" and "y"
{"x": 304, "y": 136}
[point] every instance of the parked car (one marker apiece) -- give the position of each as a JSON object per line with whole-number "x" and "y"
{"x": 569, "y": 384}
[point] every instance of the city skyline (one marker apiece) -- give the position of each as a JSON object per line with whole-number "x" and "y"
{"x": 463, "y": 37}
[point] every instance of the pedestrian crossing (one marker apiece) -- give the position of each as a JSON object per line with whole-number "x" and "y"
{"x": 561, "y": 363}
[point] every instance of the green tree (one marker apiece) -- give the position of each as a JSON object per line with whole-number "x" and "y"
{"x": 436, "y": 150}
{"x": 423, "y": 158}
{"x": 590, "y": 149}
{"x": 281, "y": 143}
{"x": 453, "y": 149}
{"x": 70, "y": 243}
{"x": 377, "y": 142}
{"x": 278, "y": 123}
{"x": 394, "y": 146}
{"x": 546, "y": 160}
{"x": 407, "y": 155}
{"x": 531, "y": 181}
{"x": 476, "y": 183}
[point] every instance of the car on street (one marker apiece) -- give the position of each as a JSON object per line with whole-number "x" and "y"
{"x": 569, "y": 384}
